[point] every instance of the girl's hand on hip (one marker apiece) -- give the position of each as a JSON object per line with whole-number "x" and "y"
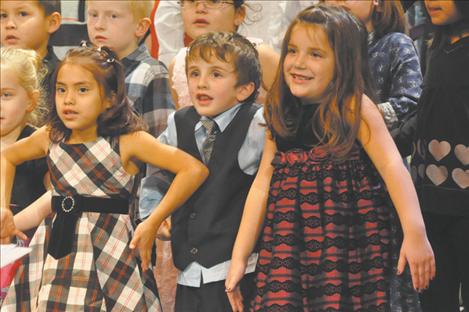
{"x": 143, "y": 240}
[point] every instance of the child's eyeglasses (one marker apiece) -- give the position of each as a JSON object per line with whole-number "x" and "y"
{"x": 209, "y": 4}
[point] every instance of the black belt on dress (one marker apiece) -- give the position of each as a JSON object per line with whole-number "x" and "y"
{"x": 68, "y": 210}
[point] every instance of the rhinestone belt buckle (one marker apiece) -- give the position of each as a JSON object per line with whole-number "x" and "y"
{"x": 64, "y": 203}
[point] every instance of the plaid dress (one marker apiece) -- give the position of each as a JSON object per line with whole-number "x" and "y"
{"x": 329, "y": 241}
{"x": 101, "y": 273}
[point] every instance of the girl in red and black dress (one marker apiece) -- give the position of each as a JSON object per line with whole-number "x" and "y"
{"x": 329, "y": 236}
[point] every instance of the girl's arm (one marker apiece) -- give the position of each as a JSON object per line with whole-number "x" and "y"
{"x": 251, "y": 223}
{"x": 190, "y": 174}
{"x": 32, "y": 147}
{"x": 380, "y": 147}
{"x": 8, "y": 228}
{"x": 33, "y": 215}
{"x": 26, "y": 219}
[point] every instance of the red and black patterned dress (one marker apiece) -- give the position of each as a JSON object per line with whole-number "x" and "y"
{"x": 329, "y": 240}
{"x": 101, "y": 273}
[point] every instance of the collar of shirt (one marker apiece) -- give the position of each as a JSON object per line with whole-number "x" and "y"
{"x": 135, "y": 58}
{"x": 222, "y": 120}
{"x": 50, "y": 60}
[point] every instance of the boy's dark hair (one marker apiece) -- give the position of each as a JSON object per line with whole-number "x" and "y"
{"x": 443, "y": 33}
{"x": 102, "y": 63}
{"x": 337, "y": 118}
{"x": 238, "y": 3}
{"x": 230, "y": 48}
{"x": 50, "y": 6}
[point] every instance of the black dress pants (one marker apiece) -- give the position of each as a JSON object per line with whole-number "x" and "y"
{"x": 449, "y": 237}
{"x": 211, "y": 297}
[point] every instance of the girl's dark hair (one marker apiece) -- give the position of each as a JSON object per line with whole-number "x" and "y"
{"x": 337, "y": 119}
{"x": 109, "y": 74}
{"x": 442, "y": 34}
{"x": 388, "y": 17}
{"x": 238, "y": 3}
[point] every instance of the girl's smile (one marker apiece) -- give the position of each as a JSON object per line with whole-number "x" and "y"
{"x": 309, "y": 63}
{"x": 300, "y": 78}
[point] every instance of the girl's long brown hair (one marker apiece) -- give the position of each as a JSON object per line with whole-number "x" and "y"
{"x": 337, "y": 119}
{"x": 388, "y": 17}
{"x": 109, "y": 74}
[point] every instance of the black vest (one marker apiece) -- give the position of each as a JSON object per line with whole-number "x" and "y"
{"x": 205, "y": 228}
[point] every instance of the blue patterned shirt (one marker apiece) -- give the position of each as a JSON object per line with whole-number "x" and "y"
{"x": 395, "y": 70}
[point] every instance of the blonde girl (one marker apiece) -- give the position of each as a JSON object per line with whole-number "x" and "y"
{"x": 20, "y": 110}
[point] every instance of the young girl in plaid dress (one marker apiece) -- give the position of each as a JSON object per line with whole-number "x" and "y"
{"x": 321, "y": 189}
{"x": 94, "y": 143}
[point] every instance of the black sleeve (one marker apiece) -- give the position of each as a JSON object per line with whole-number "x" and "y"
{"x": 405, "y": 134}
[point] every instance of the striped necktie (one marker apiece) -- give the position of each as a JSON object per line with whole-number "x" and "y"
{"x": 211, "y": 129}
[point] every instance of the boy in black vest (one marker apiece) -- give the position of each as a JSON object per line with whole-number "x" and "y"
{"x": 224, "y": 129}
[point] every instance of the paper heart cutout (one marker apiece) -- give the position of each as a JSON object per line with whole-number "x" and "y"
{"x": 462, "y": 153}
{"x": 461, "y": 177}
{"x": 437, "y": 174}
{"x": 439, "y": 149}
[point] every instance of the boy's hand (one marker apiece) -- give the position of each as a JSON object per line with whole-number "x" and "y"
{"x": 143, "y": 239}
{"x": 416, "y": 250}
{"x": 164, "y": 232}
{"x": 235, "y": 275}
{"x": 8, "y": 228}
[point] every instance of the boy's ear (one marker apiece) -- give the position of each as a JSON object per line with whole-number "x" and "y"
{"x": 54, "y": 20}
{"x": 142, "y": 27}
{"x": 244, "y": 91}
{"x": 35, "y": 94}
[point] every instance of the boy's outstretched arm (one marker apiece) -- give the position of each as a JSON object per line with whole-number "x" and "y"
{"x": 251, "y": 224}
{"x": 189, "y": 175}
